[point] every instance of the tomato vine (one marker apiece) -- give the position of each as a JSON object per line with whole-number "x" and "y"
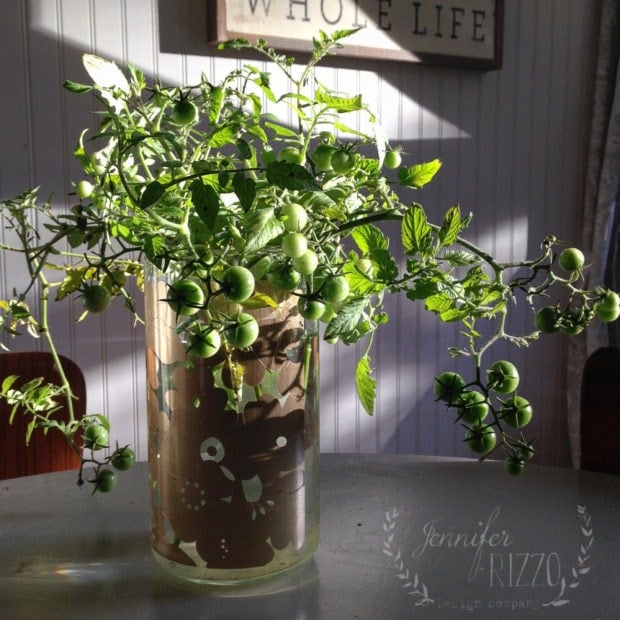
{"x": 205, "y": 183}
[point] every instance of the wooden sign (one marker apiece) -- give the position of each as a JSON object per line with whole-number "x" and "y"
{"x": 449, "y": 32}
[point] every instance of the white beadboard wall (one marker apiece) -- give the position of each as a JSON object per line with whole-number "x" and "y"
{"x": 512, "y": 142}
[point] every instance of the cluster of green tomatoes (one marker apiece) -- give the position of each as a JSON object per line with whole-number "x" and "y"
{"x": 213, "y": 297}
{"x": 96, "y": 438}
{"x": 490, "y": 409}
{"x": 573, "y": 319}
{"x": 222, "y": 291}
{"x": 483, "y": 408}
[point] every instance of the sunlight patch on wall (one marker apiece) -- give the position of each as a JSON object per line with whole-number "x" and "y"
{"x": 380, "y": 95}
{"x": 508, "y": 239}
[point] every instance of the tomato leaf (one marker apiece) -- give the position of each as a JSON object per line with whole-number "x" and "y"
{"x": 258, "y": 132}
{"x": 260, "y": 300}
{"x": 71, "y": 282}
{"x": 340, "y": 104}
{"x": 222, "y": 136}
{"x": 105, "y": 73}
{"x": 281, "y": 130}
{"x": 346, "y": 320}
{"x": 151, "y": 194}
{"x": 206, "y": 202}
{"x": 385, "y": 266}
{"x": 75, "y": 237}
{"x": 415, "y": 231}
{"x": 359, "y": 282}
{"x": 290, "y": 176}
{"x": 263, "y": 227}
{"x": 451, "y": 226}
{"x": 245, "y": 188}
{"x": 216, "y": 97}
{"x": 243, "y": 149}
{"x": 460, "y": 258}
{"x": 439, "y": 303}
{"x": 368, "y": 238}
{"x": 418, "y": 175}
{"x": 80, "y": 153}
{"x": 453, "y": 314}
{"x": 366, "y": 384}
{"x": 422, "y": 289}
{"x": 263, "y": 83}
{"x": 75, "y": 87}
{"x": 155, "y": 250}
{"x": 8, "y": 382}
{"x": 234, "y": 44}
{"x": 137, "y": 77}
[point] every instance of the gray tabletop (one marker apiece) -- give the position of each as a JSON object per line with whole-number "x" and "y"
{"x": 401, "y": 537}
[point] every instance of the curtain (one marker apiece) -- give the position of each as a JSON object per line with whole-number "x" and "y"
{"x": 601, "y": 228}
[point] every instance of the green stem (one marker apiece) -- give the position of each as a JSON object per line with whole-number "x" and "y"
{"x": 307, "y": 360}
{"x": 65, "y": 386}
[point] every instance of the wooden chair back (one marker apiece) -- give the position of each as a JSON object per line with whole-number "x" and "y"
{"x": 600, "y": 411}
{"x": 45, "y": 452}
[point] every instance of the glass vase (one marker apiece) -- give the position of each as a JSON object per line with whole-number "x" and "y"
{"x": 233, "y": 446}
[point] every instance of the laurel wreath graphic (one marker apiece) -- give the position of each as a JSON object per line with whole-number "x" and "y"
{"x": 416, "y": 588}
{"x": 413, "y": 585}
{"x": 581, "y": 567}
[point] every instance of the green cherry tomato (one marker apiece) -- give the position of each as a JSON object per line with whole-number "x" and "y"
{"x": 123, "y": 459}
{"x": 481, "y": 439}
{"x": 311, "y": 309}
{"x": 472, "y": 407}
{"x": 328, "y": 314}
{"x": 84, "y": 189}
{"x": 205, "y": 342}
{"x": 237, "y": 284}
{"x": 98, "y": 163}
{"x": 572, "y": 330}
{"x": 294, "y": 217}
{"x": 572, "y": 322}
{"x": 335, "y": 289}
{"x": 392, "y": 160}
{"x": 96, "y": 298}
{"x": 284, "y": 277}
{"x": 306, "y": 263}
{"x": 448, "y": 386}
{"x": 185, "y": 297}
{"x": 242, "y": 332}
{"x": 294, "y": 244}
{"x": 514, "y": 465}
{"x": 571, "y": 259}
{"x": 609, "y": 301}
{"x": 546, "y": 319}
{"x": 607, "y": 315}
{"x": 105, "y": 481}
{"x": 516, "y": 412}
{"x": 322, "y": 157}
{"x": 503, "y": 377}
{"x": 525, "y": 452}
{"x": 290, "y": 155}
{"x": 321, "y": 275}
{"x": 343, "y": 161}
{"x": 96, "y": 437}
{"x": 184, "y": 112}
